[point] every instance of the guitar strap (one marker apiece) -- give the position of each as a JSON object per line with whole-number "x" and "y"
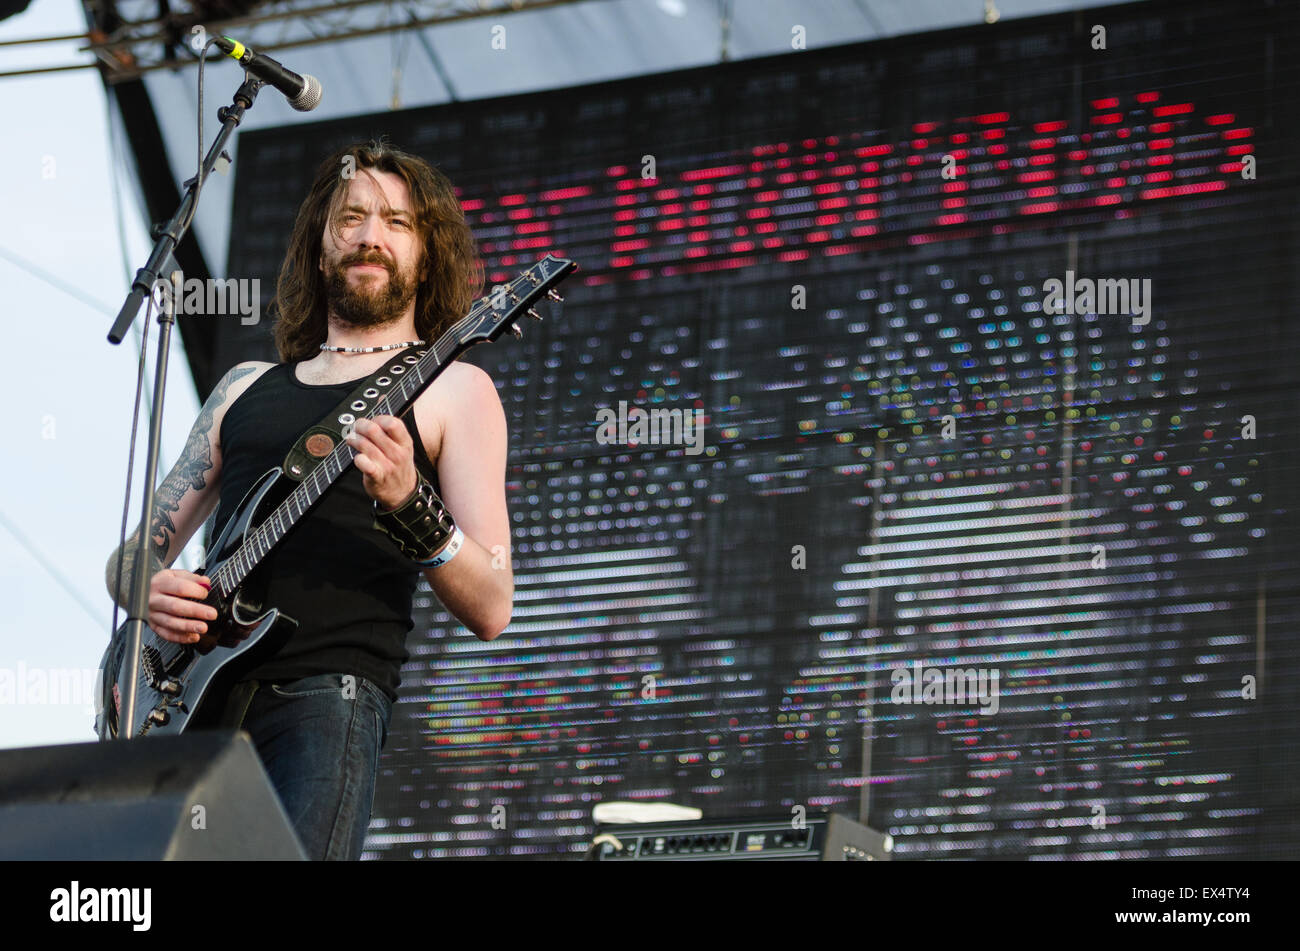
{"x": 319, "y": 440}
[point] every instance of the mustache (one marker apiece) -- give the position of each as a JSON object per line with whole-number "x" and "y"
{"x": 361, "y": 258}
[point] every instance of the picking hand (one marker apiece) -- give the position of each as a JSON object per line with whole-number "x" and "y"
{"x": 176, "y": 608}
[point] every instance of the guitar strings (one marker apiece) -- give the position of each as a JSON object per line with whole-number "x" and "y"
{"x": 263, "y": 535}
{"x": 225, "y": 577}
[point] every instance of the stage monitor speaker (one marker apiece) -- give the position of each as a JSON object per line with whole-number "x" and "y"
{"x": 199, "y": 795}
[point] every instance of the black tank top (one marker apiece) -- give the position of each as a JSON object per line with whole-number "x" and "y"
{"x": 346, "y": 584}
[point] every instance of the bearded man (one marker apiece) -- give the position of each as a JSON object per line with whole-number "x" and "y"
{"x": 380, "y": 258}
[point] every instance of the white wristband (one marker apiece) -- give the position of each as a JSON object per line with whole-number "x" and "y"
{"x": 448, "y": 553}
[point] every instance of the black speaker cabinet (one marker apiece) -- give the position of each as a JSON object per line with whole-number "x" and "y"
{"x": 200, "y": 795}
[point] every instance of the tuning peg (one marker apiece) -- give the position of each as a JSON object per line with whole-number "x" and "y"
{"x": 514, "y": 329}
{"x": 534, "y": 314}
{"x": 553, "y": 294}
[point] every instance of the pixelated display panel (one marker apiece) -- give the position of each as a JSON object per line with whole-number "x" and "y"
{"x": 839, "y": 260}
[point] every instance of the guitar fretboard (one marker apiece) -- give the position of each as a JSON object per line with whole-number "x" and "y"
{"x": 414, "y": 376}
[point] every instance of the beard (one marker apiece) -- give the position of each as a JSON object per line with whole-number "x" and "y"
{"x": 370, "y": 304}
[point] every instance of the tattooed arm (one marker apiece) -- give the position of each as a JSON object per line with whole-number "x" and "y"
{"x": 191, "y": 490}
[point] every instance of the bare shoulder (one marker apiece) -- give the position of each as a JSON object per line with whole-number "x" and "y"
{"x": 462, "y": 394}
{"x": 479, "y": 418}
{"x": 457, "y": 387}
{"x": 472, "y": 384}
{"x": 237, "y": 379}
{"x": 241, "y": 376}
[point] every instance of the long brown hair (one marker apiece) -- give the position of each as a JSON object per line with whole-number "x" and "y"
{"x": 454, "y": 271}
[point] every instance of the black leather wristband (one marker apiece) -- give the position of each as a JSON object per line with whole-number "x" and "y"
{"x": 420, "y": 526}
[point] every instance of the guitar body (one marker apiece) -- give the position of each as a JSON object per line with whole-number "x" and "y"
{"x": 177, "y": 680}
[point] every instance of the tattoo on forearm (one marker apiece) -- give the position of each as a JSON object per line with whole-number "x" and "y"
{"x": 190, "y": 472}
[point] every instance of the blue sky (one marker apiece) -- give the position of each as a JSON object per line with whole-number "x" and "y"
{"x": 62, "y": 481}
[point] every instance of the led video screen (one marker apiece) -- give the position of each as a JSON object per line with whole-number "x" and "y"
{"x": 987, "y": 335}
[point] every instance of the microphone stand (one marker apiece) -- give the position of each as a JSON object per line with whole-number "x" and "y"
{"x": 161, "y": 260}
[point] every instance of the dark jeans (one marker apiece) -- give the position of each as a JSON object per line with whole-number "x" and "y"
{"x": 320, "y": 744}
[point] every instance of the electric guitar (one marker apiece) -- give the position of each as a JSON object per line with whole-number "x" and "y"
{"x": 175, "y": 679}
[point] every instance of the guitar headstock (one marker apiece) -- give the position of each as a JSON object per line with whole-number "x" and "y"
{"x": 501, "y": 309}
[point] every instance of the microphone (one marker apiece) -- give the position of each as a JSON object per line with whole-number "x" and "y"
{"x": 303, "y": 92}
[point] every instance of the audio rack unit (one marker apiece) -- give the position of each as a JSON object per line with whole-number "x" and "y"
{"x": 818, "y": 837}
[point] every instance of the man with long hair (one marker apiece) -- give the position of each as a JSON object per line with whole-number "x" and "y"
{"x": 380, "y": 256}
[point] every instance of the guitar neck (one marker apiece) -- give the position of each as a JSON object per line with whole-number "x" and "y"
{"x": 258, "y": 543}
{"x": 483, "y": 323}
